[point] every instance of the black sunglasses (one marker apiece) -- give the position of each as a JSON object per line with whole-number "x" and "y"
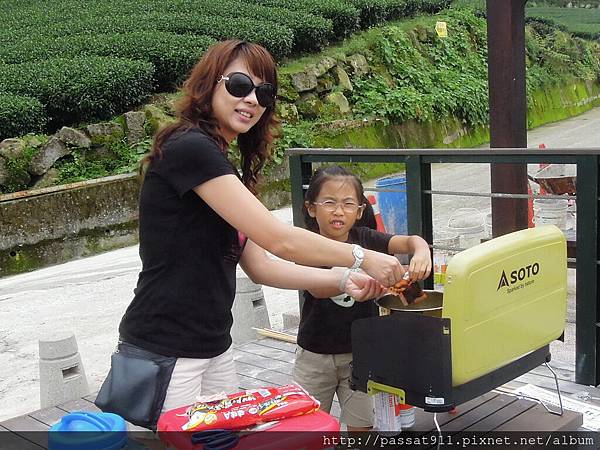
{"x": 240, "y": 85}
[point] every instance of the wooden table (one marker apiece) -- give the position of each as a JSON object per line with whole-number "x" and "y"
{"x": 269, "y": 362}
{"x": 498, "y": 412}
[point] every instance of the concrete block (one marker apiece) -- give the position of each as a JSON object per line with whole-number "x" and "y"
{"x": 249, "y": 310}
{"x": 62, "y": 377}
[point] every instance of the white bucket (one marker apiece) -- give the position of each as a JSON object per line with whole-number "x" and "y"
{"x": 488, "y": 225}
{"x": 450, "y": 242}
{"x": 469, "y": 224}
{"x": 550, "y": 211}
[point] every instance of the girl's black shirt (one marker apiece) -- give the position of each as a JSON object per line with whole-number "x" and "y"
{"x": 324, "y": 325}
{"x": 185, "y": 290}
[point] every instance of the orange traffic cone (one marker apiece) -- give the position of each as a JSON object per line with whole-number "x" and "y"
{"x": 377, "y": 213}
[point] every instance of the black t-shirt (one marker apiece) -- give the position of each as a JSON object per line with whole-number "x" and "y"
{"x": 185, "y": 291}
{"x": 324, "y": 325}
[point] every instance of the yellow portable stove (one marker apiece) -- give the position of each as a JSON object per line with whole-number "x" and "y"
{"x": 504, "y": 301}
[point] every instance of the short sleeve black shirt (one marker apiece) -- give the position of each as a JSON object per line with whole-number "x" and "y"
{"x": 324, "y": 325}
{"x": 185, "y": 290}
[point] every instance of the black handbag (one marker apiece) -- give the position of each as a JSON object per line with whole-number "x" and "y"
{"x": 136, "y": 385}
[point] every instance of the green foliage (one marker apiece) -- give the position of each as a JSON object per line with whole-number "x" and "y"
{"x": 478, "y": 7}
{"x": 310, "y": 32}
{"x": 582, "y": 22}
{"x": 554, "y": 55}
{"x": 344, "y": 16}
{"x": 421, "y": 77}
{"x": 118, "y": 157}
{"x": 18, "y": 177}
{"x": 427, "y": 78}
{"x": 172, "y": 55}
{"x": 292, "y": 135}
{"x": 19, "y": 115}
{"x": 80, "y": 89}
{"x": 42, "y": 37}
{"x": 373, "y": 12}
{"x": 564, "y": 3}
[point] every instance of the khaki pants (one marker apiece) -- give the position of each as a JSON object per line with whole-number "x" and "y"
{"x": 325, "y": 375}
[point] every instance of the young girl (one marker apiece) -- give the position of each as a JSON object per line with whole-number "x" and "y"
{"x": 334, "y": 202}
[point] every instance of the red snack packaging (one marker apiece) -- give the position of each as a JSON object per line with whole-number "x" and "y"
{"x": 250, "y": 407}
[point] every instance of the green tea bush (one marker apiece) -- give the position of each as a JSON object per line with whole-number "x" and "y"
{"x": 343, "y": 15}
{"x": 582, "y": 22}
{"x": 80, "y": 89}
{"x": 373, "y": 12}
{"x": 171, "y": 54}
{"x": 311, "y": 32}
{"x": 276, "y": 38}
{"x": 20, "y": 115}
{"x": 434, "y": 6}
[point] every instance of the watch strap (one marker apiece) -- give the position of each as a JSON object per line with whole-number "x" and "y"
{"x": 358, "y": 260}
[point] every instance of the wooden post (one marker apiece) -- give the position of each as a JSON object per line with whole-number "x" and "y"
{"x": 508, "y": 109}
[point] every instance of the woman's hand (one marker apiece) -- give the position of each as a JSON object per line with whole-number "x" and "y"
{"x": 420, "y": 265}
{"x": 384, "y": 268}
{"x": 361, "y": 287}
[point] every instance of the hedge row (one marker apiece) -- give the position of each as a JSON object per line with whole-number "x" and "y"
{"x": 343, "y": 15}
{"x": 311, "y": 32}
{"x": 171, "y": 54}
{"x": 277, "y": 38}
{"x": 373, "y": 12}
{"x": 20, "y": 114}
{"x": 80, "y": 89}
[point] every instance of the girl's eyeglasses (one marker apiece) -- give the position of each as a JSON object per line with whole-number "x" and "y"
{"x": 347, "y": 207}
{"x": 240, "y": 85}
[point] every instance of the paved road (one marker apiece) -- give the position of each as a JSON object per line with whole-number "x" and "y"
{"x": 88, "y": 297}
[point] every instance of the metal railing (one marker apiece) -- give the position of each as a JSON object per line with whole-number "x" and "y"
{"x": 419, "y": 214}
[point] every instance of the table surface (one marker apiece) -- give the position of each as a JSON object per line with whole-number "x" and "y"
{"x": 268, "y": 361}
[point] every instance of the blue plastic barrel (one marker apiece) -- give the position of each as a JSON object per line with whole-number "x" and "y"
{"x": 88, "y": 431}
{"x": 392, "y": 205}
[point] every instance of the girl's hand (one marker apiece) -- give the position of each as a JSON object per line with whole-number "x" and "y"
{"x": 361, "y": 287}
{"x": 420, "y": 265}
{"x": 384, "y": 268}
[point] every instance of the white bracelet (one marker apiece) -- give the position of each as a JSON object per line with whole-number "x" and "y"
{"x": 344, "y": 280}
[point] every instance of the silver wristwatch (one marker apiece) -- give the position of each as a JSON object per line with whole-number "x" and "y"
{"x": 359, "y": 256}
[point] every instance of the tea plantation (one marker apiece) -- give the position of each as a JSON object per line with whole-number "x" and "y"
{"x": 72, "y": 61}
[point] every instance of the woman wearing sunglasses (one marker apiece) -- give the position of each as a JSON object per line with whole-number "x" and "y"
{"x": 195, "y": 211}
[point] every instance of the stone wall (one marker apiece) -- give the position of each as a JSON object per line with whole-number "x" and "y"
{"x": 52, "y": 225}
{"x": 41, "y": 227}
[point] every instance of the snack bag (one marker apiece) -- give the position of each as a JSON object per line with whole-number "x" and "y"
{"x": 250, "y": 407}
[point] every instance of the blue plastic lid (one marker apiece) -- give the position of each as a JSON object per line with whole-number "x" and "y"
{"x": 88, "y": 431}
{"x": 390, "y": 181}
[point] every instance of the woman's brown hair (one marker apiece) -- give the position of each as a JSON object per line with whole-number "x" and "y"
{"x": 194, "y": 109}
